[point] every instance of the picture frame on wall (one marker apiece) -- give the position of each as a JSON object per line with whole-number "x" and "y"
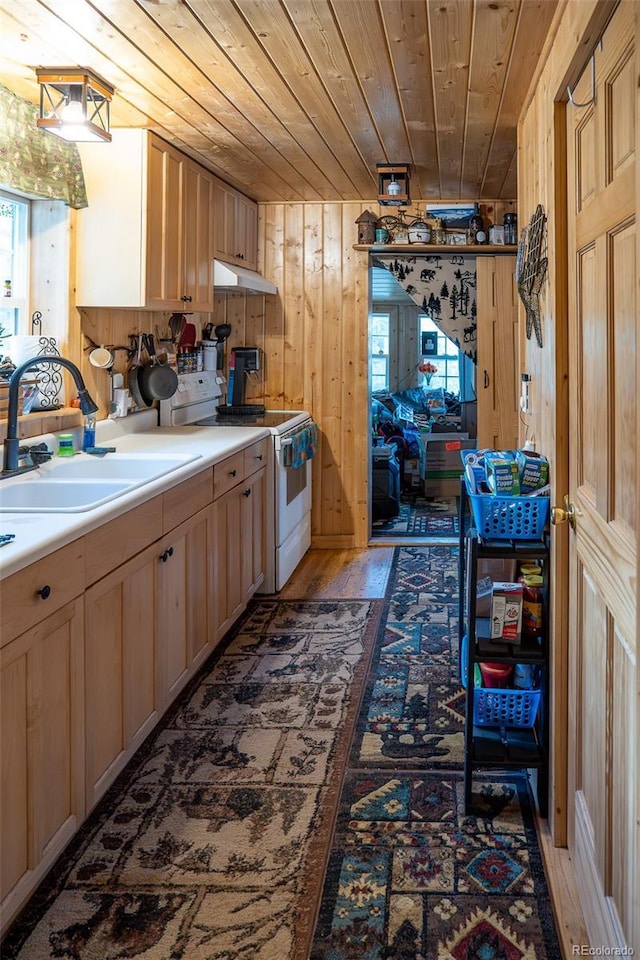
{"x": 456, "y": 216}
{"x": 456, "y": 238}
{"x": 429, "y": 345}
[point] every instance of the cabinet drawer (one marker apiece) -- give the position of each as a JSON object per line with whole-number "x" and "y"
{"x": 256, "y": 456}
{"x": 227, "y": 473}
{"x": 187, "y": 498}
{"x": 117, "y": 541}
{"x": 22, "y": 603}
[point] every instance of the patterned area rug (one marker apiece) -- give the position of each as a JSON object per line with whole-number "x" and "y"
{"x": 419, "y": 517}
{"x": 411, "y": 876}
{"x": 213, "y": 842}
{"x": 413, "y": 712}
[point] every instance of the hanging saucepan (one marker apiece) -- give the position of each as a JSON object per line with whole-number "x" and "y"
{"x": 156, "y": 380}
{"x": 132, "y": 376}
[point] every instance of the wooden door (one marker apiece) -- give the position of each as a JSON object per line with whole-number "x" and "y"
{"x": 182, "y": 604}
{"x": 227, "y": 586}
{"x": 247, "y": 231}
{"x": 121, "y": 698}
{"x": 165, "y": 238}
{"x": 603, "y": 678}
{"x": 497, "y": 377}
{"x": 253, "y": 532}
{"x": 198, "y": 234}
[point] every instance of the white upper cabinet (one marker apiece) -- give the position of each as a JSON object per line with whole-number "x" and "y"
{"x": 146, "y": 238}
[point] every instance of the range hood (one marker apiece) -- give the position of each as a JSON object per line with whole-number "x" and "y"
{"x": 227, "y": 276}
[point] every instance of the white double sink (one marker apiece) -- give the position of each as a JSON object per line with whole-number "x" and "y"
{"x": 85, "y": 481}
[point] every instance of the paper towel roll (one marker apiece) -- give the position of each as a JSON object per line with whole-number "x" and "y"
{"x": 22, "y": 348}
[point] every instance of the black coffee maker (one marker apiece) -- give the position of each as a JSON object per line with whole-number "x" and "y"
{"x": 244, "y": 360}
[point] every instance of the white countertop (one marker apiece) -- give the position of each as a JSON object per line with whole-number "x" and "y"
{"x": 38, "y": 534}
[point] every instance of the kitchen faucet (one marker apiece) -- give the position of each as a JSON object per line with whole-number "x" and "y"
{"x": 11, "y": 443}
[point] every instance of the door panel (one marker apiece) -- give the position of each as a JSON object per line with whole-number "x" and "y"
{"x": 622, "y": 272}
{"x": 498, "y": 388}
{"x": 603, "y": 721}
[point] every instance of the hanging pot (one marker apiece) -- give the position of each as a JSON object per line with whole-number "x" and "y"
{"x": 156, "y": 380}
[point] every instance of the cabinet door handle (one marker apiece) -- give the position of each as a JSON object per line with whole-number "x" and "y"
{"x": 247, "y": 492}
{"x": 232, "y": 473}
{"x": 486, "y": 379}
{"x": 44, "y": 592}
{"x": 259, "y": 456}
{"x": 165, "y": 556}
{"x": 186, "y": 299}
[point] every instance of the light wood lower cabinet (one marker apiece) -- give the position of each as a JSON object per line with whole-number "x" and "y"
{"x": 147, "y": 631}
{"x": 183, "y": 634}
{"x": 83, "y": 686}
{"x": 42, "y": 758}
{"x": 122, "y": 703}
{"x": 239, "y": 549}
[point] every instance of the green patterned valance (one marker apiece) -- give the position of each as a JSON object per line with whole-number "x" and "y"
{"x": 34, "y": 161}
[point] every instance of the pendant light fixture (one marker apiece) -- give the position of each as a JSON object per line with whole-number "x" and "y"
{"x": 74, "y": 103}
{"x": 393, "y": 184}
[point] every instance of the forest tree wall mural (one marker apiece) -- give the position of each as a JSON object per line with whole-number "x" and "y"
{"x": 444, "y": 287}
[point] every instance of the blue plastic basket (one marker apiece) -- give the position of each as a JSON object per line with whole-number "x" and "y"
{"x": 501, "y": 707}
{"x": 505, "y": 518}
{"x": 509, "y": 518}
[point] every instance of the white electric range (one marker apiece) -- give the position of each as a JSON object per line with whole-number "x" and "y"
{"x": 288, "y": 536}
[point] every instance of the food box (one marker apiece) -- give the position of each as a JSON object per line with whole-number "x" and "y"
{"x": 488, "y": 571}
{"x": 533, "y": 469}
{"x": 506, "y": 612}
{"x": 502, "y": 473}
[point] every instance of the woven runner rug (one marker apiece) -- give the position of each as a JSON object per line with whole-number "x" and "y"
{"x": 212, "y": 845}
{"x": 420, "y": 517}
{"x": 410, "y": 875}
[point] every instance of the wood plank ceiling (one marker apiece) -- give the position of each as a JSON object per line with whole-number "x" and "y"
{"x": 298, "y": 99}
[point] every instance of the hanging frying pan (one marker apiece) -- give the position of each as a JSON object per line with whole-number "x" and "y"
{"x": 156, "y": 380}
{"x": 132, "y": 376}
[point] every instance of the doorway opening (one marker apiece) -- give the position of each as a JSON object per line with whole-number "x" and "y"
{"x": 422, "y": 394}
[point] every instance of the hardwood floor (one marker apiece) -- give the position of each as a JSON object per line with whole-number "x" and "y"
{"x": 340, "y": 575}
{"x": 362, "y": 574}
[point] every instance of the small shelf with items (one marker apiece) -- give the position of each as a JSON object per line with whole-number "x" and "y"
{"x": 505, "y": 727}
{"x": 444, "y": 249}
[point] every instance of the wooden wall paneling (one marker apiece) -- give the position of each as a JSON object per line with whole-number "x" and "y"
{"x": 293, "y": 301}
{"x": 254, "y": 332}
{"x": 316, "y": 324}
{"x": 334, "y": 375}
{"x": 271, "y": 240}
{"x": 356, "y": 436}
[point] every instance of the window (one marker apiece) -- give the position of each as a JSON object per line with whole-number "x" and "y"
{"x": 14, "y": 232}
{"x": 379, "y": 336}
{"x": 446, "y": 357}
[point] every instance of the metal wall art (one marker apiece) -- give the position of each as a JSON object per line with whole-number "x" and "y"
{"x": 531, "y": 270}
